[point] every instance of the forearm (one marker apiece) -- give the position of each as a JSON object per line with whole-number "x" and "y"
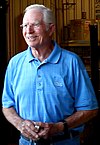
{"x": 80, "y": 117}
{"x": 12, "y": 116}
{"x": 26, "y": 127}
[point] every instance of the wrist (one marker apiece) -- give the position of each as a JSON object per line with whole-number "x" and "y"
{"x": 65, "y": 126}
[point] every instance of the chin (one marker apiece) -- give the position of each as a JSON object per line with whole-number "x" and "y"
{"x": 32, "y": 44}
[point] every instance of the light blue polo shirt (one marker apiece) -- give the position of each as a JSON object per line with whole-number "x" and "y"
{"x": 47, "y": 91}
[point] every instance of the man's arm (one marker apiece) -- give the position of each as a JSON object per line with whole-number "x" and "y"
{"x": 11, "y": 115}
{"x": 80, "y": 117}
{"x": 74, "y": 120}
{"x": 26, "y": 127}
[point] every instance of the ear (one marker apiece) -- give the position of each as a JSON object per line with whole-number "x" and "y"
{"x": 51, "y": 29}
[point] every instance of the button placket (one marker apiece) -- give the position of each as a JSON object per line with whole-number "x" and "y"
{"x": 39, "y": 80}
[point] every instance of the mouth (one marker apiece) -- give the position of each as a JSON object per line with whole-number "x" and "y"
{"x": 31, "y": 37}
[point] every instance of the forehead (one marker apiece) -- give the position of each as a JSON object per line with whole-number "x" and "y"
{"x": 32, "y": 15}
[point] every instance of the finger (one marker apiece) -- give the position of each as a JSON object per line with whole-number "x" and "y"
{"x": 43, "y": 132}
{"x": 27, "y": 132}
{"x": 32, "y": 132}
{"x": 30, "y": 126}
{"x": 26, "y": 127}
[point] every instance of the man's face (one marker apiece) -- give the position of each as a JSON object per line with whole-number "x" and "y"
{"x": 34, "y": 29}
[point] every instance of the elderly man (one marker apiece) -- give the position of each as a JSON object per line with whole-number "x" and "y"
{"x": 47, "y": 93}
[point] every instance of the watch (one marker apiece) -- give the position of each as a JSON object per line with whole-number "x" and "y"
{"x": 65, "y": 127}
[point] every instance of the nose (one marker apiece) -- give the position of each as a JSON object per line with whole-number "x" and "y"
{"x": 30, "y": 28}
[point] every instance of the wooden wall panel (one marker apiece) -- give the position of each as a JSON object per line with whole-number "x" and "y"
{"x": 78, "y": 9}
{"x": 87, "y": 8}
{"x": 92, "y": 9}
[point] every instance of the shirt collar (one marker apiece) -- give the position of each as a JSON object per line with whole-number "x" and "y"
{"x": 55, "y": 54}
{"x": 53, "y": 57}
{"x": 30, "y": 57}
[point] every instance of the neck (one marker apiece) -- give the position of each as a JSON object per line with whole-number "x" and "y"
{"x": 42, "y": 53}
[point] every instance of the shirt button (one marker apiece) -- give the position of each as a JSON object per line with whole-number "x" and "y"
{"x": 39, "y": 84}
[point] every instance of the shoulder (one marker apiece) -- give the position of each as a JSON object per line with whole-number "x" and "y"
{"x": 72, "y": 59}
{"x": 18, "y": 58}
{"x": 15, "y": 63}
{"x": 66, "y": 53}
{"x": 70, "y": 56}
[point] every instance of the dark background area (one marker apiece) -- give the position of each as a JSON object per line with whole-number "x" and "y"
{"x": 8, "y": 133}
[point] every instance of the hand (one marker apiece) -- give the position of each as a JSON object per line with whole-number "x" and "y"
{"x": 28, "y": 129}
{"x": 49, "y": 129}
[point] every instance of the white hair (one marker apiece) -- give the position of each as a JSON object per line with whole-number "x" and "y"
{"x": 48, "y": 16}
